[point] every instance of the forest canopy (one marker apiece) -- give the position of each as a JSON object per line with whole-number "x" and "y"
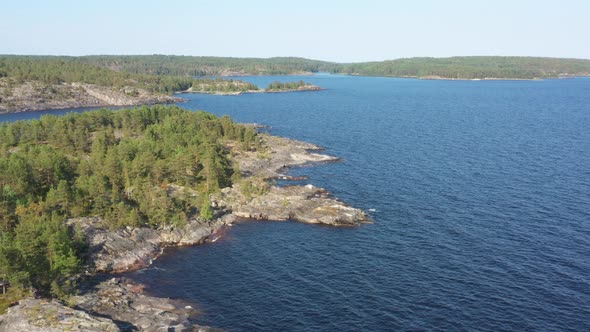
{"x": 117, "y": 165}
{"x": 58, "y": 70}
{"x": 471, "y": 67}
{"x": 169, "y": 73}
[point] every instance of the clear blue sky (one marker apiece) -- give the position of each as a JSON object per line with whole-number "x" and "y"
{"x": 345, "y": 31}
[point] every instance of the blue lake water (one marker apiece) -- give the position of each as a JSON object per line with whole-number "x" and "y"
{"x": 481, "y": 198}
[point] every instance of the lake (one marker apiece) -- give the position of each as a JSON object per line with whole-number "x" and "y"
{"x": 480, "y": 192}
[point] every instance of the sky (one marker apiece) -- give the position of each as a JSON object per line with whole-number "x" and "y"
{"x": 341, "y": 31}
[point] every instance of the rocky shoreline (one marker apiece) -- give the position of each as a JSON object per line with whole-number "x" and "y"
{"x": 114, "y": 304}
{"x": 308, "y": 87}
{"x": 37, "y": 96}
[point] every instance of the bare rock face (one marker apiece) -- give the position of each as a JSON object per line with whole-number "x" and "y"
{"x": 307, "y": 204}
{"x": 279, "y": 154}
{"x": 134, "y": 247}
{"x": 124, "y": 301}
{"x": 34, "y": 315}
{"x": 34, "y": 95}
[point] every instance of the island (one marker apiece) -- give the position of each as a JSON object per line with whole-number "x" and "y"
{"x": 90, "y": 194}
{"x": 231, "y": 87}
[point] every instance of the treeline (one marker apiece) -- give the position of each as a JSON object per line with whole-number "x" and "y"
{"x": 207, "y": 66}
{"x": 468, "y": 67}
{"x": 277, "y": 86}
{"x": 57, "y": 70}
{"x": 166, "y": 73}
{"x": 473, "y": 67}
{"x": 114, "y": 164}
{"x": 210, "y": 85}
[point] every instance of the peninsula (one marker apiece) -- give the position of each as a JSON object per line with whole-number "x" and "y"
{"x": 29, "y": 84}
{"x": 84, "y": 195}
{"x": 42, "y": 83}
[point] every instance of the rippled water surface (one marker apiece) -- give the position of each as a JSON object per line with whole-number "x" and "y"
{"x": 481, "y": 198}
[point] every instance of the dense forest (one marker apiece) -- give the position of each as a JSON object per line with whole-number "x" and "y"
{"x": 57, "y": 70}
{"x": 165, "y": 73}
{"x": 114, "y": 164}
{"x": 281, "y": 86}
{"x": 473, "y": 67}
{"x": 207, "y": 66}
{"x": 467, "y": 67}
{"x": 219, "y": 85}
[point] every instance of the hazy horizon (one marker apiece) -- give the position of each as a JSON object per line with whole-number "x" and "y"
{"x": 291, "y": 56}
{"x": 343, "y": 32}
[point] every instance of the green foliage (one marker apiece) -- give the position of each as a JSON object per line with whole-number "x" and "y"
{"x": 278, "y": 86}
{"x": 206, "y": 212}
{"x": 41, "y": 251}
{"x": 13, "y": 294}
{"x": 113, "y": 164}
{"x": 253, "y": 187}
{"x": 207, "y": 66}
{"x": 218, "y": 85}
{"x": 58, "y": 70}
{"x": 471, "y": 67}
{"x": 167, "y": 74}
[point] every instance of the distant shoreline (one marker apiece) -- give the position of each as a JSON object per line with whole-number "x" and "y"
{"x": 440, "y": 78}
{"x": 305, "y": 88}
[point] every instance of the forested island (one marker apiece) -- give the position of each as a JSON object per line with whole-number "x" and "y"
{"x": 472, "y": 67}
{"x": 106, "y": 191}
{"x": 221, "y": 86}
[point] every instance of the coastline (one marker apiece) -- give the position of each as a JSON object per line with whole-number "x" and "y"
{"x": 34, "y": 96}
{"x": 440, "y": 78}
{"x": 110, "y": 303}
{"x": 83, "y": 95}
{"x": 67, "y": 106}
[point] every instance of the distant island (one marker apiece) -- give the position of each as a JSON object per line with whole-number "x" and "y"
{"x": 236, "y": 87}
{"x": 473, "y": 67}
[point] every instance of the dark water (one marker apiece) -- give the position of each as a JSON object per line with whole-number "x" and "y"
{"x": 481, "y": 197}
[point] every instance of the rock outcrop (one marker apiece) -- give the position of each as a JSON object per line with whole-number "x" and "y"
{"x": 307, "y": 203}
{"x": 34, "y": 96}
{"x": 124, "y": 301}
{"x": 278, "y": 155}
{"x": 135, "y": 247}
{"x": 116, "y": 304}
{"x": 39, "y": 315}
